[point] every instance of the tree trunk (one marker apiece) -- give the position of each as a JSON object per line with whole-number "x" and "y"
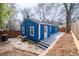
{"x": 68, "y": 22}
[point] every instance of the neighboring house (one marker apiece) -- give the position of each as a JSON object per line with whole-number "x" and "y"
{"x": 37, "y": 30}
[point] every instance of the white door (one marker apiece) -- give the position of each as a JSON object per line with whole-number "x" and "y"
{"x": 45, "y": 31}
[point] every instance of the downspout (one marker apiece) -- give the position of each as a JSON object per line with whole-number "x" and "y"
{"x": 39, "y": 32}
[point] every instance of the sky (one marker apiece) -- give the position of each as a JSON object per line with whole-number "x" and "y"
{"x": 39, "y": 1}
{"x": 54, "y": 15}
{"x": 25, "y": 5}
{"x": 28, "y": 5}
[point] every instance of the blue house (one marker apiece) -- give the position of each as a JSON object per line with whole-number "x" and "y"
{"x": 36, "y": 30}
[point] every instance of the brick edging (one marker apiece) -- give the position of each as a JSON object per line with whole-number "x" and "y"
{"x": 75, "y": 40}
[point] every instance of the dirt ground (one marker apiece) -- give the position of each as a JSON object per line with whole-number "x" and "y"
{"x": 64, "y": 47}
{"x": 16, "y": 52}
{"x": 6, "y": 49}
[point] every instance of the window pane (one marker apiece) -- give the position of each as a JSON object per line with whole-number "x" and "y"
{"x": 32, "y": 31}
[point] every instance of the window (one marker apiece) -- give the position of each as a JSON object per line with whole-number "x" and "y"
{"x": 31, "y": 30}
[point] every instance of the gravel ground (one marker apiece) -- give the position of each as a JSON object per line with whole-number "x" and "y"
{"x": 28, "y": 46}
{"x": 16, "y": 52}
{"x": 7, "y": 49}
{"x": 64, "y": 47}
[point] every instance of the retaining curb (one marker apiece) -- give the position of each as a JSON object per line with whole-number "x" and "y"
{"x": 75, "y": 40}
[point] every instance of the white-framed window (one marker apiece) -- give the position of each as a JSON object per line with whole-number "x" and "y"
{"x": 32, "y": 30}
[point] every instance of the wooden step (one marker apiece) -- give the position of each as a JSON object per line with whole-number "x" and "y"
{"x": 44, "y": 43}
{"x": 41, "y": 46}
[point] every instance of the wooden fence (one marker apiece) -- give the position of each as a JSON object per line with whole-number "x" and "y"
{"x": 75, "y": 28}
{"x": 10, "y": 33}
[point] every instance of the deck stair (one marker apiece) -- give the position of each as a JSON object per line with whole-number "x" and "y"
{"x": 42, "y": 45}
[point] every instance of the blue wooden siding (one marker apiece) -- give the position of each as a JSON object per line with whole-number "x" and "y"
{"x": 29, "y": 23}
{"x": 57, "y": 28}
{"x": 54, "y": 29}
{"x": 42, "y": 31}
{"x": 49, "y": 31}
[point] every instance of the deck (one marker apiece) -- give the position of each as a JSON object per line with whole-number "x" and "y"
{"x": 52, "y": 38}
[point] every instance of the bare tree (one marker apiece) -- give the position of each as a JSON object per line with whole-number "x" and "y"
{"x": 44, "y": 9}
{"x": 70, "y": 12}
{"x": 26, "y": 12}
{"x": 16, "y": 9}
{"x": 69, "y": 9}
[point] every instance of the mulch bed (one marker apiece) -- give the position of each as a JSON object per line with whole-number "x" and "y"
{"x": 64, "y": 47}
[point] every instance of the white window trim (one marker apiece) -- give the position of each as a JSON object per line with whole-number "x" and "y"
{"x": 23, "y": 30}
{"x": 46, "y": 30}
{"x": 30, "y": 31}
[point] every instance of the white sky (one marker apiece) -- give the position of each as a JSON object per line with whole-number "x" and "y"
{"x": 32, "y": 5}
{"x": 27, "y": 5}
{"x": 39, "y": 1}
